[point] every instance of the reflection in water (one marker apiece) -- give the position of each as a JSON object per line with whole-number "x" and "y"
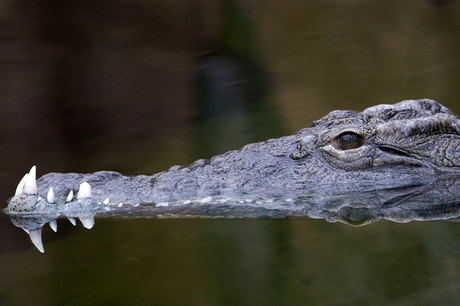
{"x": 436, "y": 200}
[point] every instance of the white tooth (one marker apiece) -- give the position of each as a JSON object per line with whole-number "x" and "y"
{"x": 36, "y": 237}
{"x": 30, "y": 187}
{"x": 206, "y": 200}
{"x": 85, "y": 191}
{"x": 50, "y": 196}
{"x": 106, "y": 201}
{"x": 70, "y": 196}
{"x": 53, "y": 225}
{"x": 72, "y": 220}
{"x": 21, "y": 184}
{"x": 87, "y": 222}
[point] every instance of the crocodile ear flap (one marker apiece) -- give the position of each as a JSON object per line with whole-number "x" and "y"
{"x": 306, "y": 146}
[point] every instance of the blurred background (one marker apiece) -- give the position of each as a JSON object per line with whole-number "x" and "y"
{"x": 137, "y": 86}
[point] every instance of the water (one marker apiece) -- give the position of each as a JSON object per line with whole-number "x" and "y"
{"x": 237, "y": 262}
{"x": 138, "y": 87}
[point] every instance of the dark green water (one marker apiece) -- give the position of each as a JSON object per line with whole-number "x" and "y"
{"x": 237, "y": 262}
{"x": 139, "y": 86}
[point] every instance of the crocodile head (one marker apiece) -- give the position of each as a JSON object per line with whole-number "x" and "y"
{"x": 345, "y": 167}
{"x": 413, "y": 137}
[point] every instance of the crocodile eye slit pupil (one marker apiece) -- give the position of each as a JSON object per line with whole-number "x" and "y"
{"x": 349, "y": 140}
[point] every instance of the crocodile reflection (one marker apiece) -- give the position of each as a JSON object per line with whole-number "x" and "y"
{"x": 434, "y": 200}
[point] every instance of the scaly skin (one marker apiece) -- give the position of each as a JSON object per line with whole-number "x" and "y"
{"x": 401, "y": 145}
{"x": 398, "y": 162}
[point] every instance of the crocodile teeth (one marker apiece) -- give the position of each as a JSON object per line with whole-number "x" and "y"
{"x": 53, "y": 225}
{"x": 21, "y": 184}
{"x": 72, "y": 220}
{"x": 206, "y": 200}
{"x": 106, "y": 201}
{"x": 50, "y": 196}
{"x": 85, "y": 191}
{"x": 88, "y": 222}
{"x": 30, "y": 186}
{"x": 36, "y": 237}
{"x": 70, "y": 196}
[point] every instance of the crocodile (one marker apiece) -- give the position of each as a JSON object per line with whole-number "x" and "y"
{"x": 410, "y": 143}
{"x": 384, "y": 146}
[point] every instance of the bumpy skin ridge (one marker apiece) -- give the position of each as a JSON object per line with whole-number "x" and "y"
{"x": 403, "y": 144}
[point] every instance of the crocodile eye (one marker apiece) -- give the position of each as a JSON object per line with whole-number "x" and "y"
{"x": 349, "y": 140}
